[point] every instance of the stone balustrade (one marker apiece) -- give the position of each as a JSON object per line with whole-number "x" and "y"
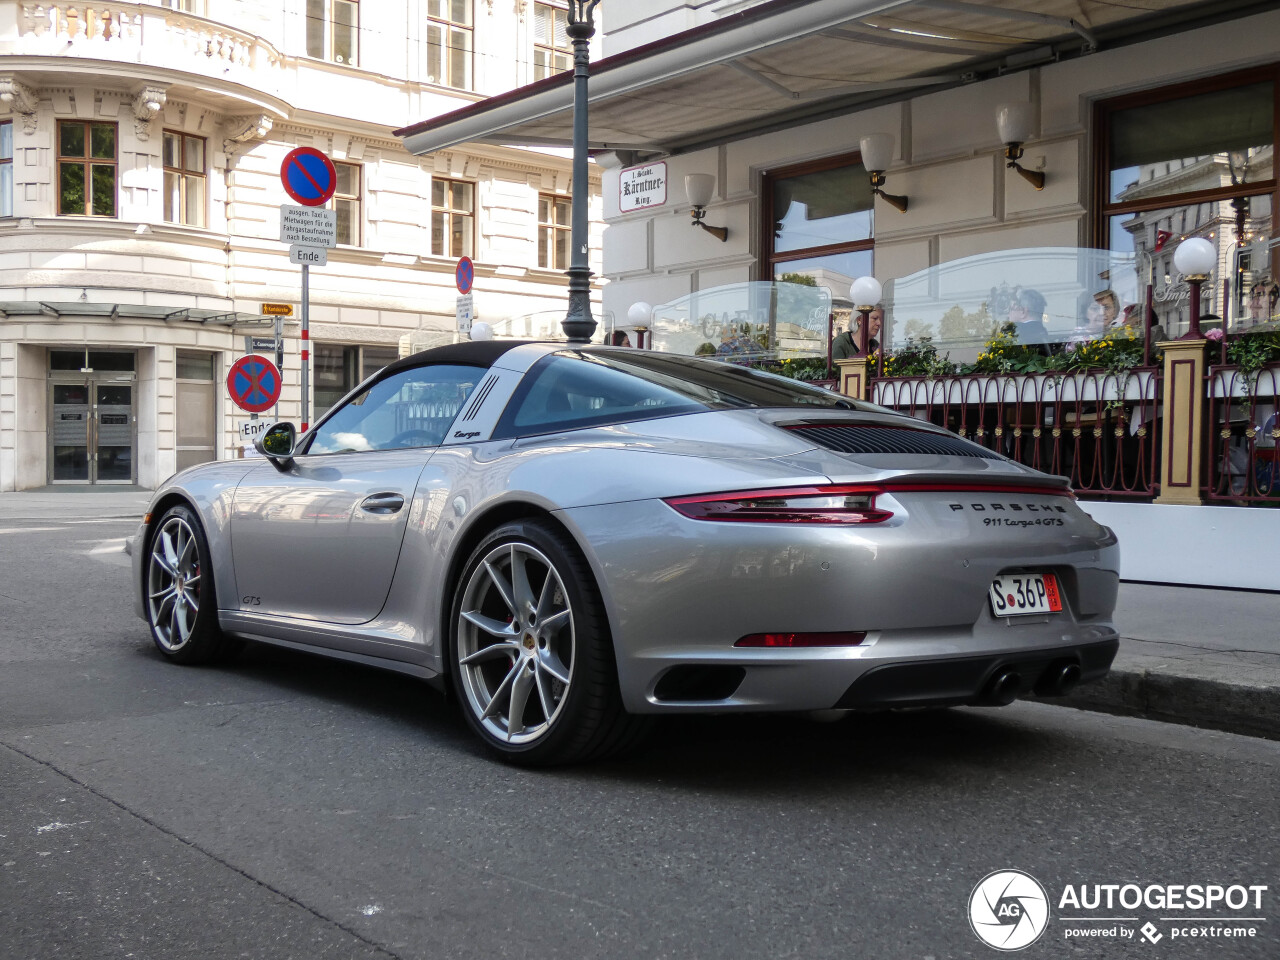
{"x": 116, "y": 30}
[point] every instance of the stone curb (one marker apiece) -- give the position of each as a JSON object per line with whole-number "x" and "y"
{"x": 1236, "y": 698}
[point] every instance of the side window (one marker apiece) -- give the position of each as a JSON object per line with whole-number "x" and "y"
{"x": 412, "y": 408}
{"x": 564, "y": 392}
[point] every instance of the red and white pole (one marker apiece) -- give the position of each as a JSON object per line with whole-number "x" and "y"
{"x": 306, "y": 349}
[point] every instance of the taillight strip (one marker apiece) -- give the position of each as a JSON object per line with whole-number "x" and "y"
{"x": 1018, "y": 488}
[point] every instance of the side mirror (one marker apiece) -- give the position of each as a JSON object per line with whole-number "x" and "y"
{"x": 276, "y": 444}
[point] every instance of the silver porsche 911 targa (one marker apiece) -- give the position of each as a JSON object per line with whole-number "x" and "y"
{"x": 572, "y": 539}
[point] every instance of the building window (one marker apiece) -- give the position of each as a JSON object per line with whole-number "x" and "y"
{"x": 452, "y": 218}
{"x": 449, "y": 43}
{"x": 553, "y": 231}
{"x": 184, "y": 179}
{"x": 346, "y": 201}
{"x": 823, "y": 219}
{"x": 340, "y": 368}
{"x": 1194, "y": 160}
{"x": 6, "y": 168}
{"x": 552, "y": 48}
{"x": 186, "y": 6}
{"x": 86, "y": 168}
{"x": 332, "y": 29}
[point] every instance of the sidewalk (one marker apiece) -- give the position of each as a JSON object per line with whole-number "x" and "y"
{"x": 74, "y": 503}
{"x": 1209, "y": 658}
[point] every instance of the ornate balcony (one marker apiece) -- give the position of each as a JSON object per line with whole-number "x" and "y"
{"x": 173, "y": 40}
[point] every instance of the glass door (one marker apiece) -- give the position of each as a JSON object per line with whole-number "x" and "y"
{"x": 91, "y": 433}
{"x": 112, "y": 454}
{"x": 69, "y": 433}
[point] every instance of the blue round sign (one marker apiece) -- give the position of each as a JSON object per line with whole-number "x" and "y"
{"x": 308, "y": 176}
{"x": 465, "y": 274}
{"x": 254, "y": 383}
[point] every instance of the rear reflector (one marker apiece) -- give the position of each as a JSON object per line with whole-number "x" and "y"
{"x": 801, "y": 640}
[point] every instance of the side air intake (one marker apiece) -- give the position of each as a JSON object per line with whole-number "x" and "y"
{"x": 857, "y": 438}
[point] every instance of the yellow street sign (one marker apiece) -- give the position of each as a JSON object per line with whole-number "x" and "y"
{"x": 277, "y": 309}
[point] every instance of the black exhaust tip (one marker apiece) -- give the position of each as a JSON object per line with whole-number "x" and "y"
{"x": 1059, "y": 680}
{"x": 1004, "y": 689}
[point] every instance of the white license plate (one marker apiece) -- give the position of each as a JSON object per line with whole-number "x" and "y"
{"x": 1013, "y": 596}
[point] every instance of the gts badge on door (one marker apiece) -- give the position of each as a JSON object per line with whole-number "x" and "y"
{"x": 251, "y": 601}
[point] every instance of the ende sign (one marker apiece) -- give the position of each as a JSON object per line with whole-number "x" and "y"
{"x": 642, "y": 187}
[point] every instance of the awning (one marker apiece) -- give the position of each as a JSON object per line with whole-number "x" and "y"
{"x": 18, "y": 309}
{"x": 786, "y": 62}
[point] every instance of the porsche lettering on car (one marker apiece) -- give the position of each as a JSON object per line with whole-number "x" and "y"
{"x": 574, "y": 539}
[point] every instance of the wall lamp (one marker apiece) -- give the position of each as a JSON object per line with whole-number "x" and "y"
{"x": 699, "y": 187}
{"x": 1017, "y": 123}
{"x": 877, "y": 154}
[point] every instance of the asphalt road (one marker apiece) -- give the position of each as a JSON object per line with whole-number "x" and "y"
{"x": 289, "y": 807}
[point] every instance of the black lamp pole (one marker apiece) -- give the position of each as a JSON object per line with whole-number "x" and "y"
{"x": 578, "y": 323}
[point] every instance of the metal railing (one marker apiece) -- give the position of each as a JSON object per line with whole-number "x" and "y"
{"x": 1099, "y": 429}
{"x": 1242, "y": 444}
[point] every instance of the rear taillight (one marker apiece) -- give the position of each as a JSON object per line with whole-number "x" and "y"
{"x": 829, "y": 504}
{"x": 801, "y": 640}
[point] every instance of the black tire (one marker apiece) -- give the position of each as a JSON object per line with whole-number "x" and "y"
{"x": 177, "y": 576}
{"x": 497, "y": 643}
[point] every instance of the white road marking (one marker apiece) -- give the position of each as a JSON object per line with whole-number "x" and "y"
{"x": 108, "y": 546}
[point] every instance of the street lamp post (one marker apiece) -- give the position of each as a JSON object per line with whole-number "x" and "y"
{"x": 1195, "y": 259}
{"x": 578, "y": 323}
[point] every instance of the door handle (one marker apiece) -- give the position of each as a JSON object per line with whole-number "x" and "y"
{"x": 382, "y": 503}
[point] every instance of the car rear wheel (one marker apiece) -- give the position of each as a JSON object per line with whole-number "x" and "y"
{"x": 532, "y": 656}
{"x": 181, "y": 605}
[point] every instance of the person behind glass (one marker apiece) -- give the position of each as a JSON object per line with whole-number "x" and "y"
{"x": 1093, "y": 322}
{"x": 1109, "y": 304}
{"x": 619, "y": 338}
{"x": 1262, "y": 302}
{"x": 1026, "y": 313}
{"x": 847, "y": 345}
{"x": 1132, "y": 318}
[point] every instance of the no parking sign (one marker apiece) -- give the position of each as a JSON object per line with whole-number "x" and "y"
{"x": 309, "y": 177}
{"x": 254, "y": 383}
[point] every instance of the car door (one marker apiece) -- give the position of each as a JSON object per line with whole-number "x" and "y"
{"x": 320, "y": 539}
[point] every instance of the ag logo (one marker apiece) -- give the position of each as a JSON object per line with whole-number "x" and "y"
{"x": 1008, "y": 910}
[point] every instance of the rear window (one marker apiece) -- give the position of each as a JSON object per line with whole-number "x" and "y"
{"x": 572, "y": 389}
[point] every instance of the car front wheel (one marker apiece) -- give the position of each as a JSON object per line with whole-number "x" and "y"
{"x": 532, "y": 656}
{"x": 181, "y": 606}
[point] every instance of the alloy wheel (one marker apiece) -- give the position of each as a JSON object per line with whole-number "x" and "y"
{"x": 515, "y": 643}
{"x": 173, "y": 584}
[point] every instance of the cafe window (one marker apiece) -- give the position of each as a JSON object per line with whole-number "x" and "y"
{"x": 449, "y": 43}
{"x": 552, "y": 48}
{"x": 184, "y": 179}
{"x": 1195, "y": 160}
{"x": 6, "y": 168}
{"x": 333, "y": 28}
{"x": 86, "y": 168}
{"x": 819, "y": 232}
{"x": 346, "y": 202}
{"x": 339, "y": 368}
{"x": 553, "y": 231}
{"x": 452, "y": 218}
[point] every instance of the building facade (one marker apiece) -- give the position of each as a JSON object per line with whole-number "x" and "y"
{"x": 866, "y": 138}
{"x": 140, "y": 194}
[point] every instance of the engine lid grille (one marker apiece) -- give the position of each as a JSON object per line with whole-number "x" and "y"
{"x": 864, "y": 438}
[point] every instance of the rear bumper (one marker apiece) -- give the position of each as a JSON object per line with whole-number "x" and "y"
{"x": 968, "y": 680}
